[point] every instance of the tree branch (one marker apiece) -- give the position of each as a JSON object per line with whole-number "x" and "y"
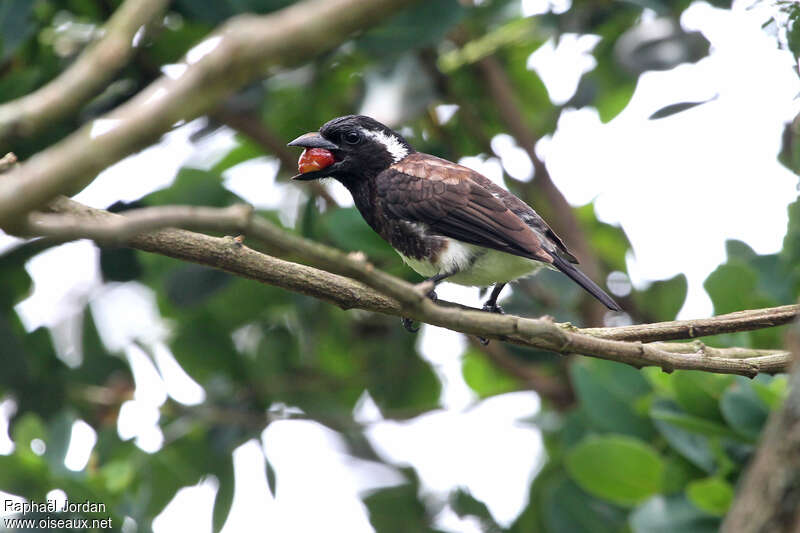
{"x": 91, "y": 71}
{"x": 243, "y": 49}
{"x": 390, "y": 295}
{"x": 768, "y": 496}
{"x": 701, "y": 327}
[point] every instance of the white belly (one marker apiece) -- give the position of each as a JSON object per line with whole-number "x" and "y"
{"x": 488, "y": 268}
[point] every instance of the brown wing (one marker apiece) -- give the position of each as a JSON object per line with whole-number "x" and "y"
{"x": 440, "y": 194}
{"x": 417, "y": 163}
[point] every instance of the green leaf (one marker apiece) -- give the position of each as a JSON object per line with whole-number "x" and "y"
{"x": 465, "y": 504}
{"x": 743, "y": 409}
{"x": 194, "y": 186}
{"x": 117, "y": 475}
{"x": 224, "y": 497}
{"x": 670, "y": 514}
{"x": 15, "y": 25}
{"x": 397, "y": 509}
{"x": 192, "y": 284}
{"x": 413, "y": 28}
{"x": 699, "y": 392}
{"x": 774, "y": 393}
{"x": 485, "y": 378}
{"x": 568, "y": 509}
{"x": 347, "y": 230}
{"x": 712, "y": 495}
{"x": 617, "y": 468}
{"x": 731, "y": 286}
{"x": 696, "y": 448}
{"x": 612, "y": 101}
{"x": 25, "y": 429}
{"x": 693, "y": 424}
{"x": 678, "y": 107}
{"x": 608, "y": 392}
{"x": 663, "y": 299}
{"x": 677, "y": 473}
{"x": 790, "y": 255}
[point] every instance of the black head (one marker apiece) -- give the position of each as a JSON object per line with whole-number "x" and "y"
{"x": 362, "y": 147}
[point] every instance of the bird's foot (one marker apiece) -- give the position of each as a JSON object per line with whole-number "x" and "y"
{"x": 408, "y": 324}
{"x": 235, "y": 242}
{"x": 492, "y": 307}
{"x": 426, "y": 286}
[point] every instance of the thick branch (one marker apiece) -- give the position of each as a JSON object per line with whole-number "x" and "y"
{"x": 90, "y": 72}
{"x": 768, "y": 498}
{"x": 245, "y": 48}
{"x": 137, "y": 221}
{"x": 406, "y": 299}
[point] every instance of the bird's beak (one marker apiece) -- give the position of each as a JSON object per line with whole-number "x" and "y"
{"x": 312, "y": 140}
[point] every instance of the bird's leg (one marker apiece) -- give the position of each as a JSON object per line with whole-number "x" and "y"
{"x": 492, "y": 307}
{"x": 408, "y": 324}
{"x": 435, "y": 280}
{"x": 491, "y": 303}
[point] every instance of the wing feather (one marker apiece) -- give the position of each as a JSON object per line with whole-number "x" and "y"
{"x": 439, "y": 196}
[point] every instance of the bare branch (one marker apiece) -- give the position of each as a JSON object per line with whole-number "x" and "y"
{"x": 90, "y": 72}
{"x": 397, "y": 297}
{"x": 701, "y": 327}
{"x": 245, "y": 48}
{"x": 138, "y": 221}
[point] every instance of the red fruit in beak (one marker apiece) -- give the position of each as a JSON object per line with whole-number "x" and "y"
{"x": 314, "y": 159}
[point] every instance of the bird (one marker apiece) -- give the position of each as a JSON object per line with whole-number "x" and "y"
{"x": 447, "y": 221}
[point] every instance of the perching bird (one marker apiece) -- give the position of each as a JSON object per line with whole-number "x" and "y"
{"x": 446, "y": 221}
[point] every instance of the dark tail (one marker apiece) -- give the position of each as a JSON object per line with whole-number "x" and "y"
{"x": 581, "y": 279}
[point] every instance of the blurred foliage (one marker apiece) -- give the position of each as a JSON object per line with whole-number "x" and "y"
{"x": 639, "y": 451}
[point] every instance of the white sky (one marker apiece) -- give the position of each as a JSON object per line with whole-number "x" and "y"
{"x": 679, "y": 187}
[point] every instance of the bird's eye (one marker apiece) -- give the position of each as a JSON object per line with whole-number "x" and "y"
{"x": 352, "y": 137}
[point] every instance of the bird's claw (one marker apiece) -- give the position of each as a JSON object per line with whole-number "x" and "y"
{"x": 428, "y": 288}
{"x": 408, "y": 324}
{"x": 493, "y": 308}
{"x": 490, "y": 307}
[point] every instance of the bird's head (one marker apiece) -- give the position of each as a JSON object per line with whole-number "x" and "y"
{"x": 349, "y": 148}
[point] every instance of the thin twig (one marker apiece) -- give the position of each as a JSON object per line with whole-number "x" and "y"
{"x": 397, "y": 297}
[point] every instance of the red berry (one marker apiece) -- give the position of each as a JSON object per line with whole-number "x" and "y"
{"x": 314, "y": 159}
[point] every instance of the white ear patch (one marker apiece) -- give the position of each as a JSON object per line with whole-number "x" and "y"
{"x": 392, "y": 144}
